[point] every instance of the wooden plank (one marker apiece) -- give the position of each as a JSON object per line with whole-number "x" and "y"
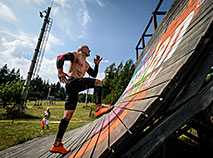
{"x": 126, "y": 140}
{"x": 172, "y": 73}
{"x": 91, "y": 144}
{"x": 198, "y": 75}
{"x": 22, "y": 149}
{"x": 192, "y": 37}
{"x": 202, "y": 14}
{"x": 166, "y": 71}
{"x": 173, "y": 12}
{"x": 166, "y": 77}
{"x": 144, "y": 147}
{"x": 195, "y": 44}
{"x": 86, "y": 140}
{"x": 70, "y": 138}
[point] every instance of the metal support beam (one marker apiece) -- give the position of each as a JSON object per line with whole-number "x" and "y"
{"x": 154, "y": 20}
{"x": 32, "y": 66}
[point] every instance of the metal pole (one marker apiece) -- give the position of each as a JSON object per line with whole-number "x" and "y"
{"x": 86, "y": 99}
{"x": 136, "y": 53}
{"x": 154, "y": 20}
{"x": 33, "y": 62}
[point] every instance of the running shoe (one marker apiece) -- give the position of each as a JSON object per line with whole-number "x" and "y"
{"x": 103, "y": 109}
{"x": 59, "y": 149}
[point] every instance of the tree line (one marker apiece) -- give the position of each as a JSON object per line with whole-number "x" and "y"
{"x": 116, "y": 80}
{"x": 11, "y": 86}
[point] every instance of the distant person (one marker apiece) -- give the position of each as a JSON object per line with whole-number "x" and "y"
{"x": 74, "y": 84}
{"x": 45, "y": 120}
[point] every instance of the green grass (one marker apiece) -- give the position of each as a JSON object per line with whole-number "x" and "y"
{"x": 23, "y": 129}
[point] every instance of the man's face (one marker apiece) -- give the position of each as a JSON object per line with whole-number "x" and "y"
{"x": 86, "y": 51}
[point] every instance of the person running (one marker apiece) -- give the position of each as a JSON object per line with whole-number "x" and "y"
{"x": 75, "y": 83}
{"x": 45, "y": 120}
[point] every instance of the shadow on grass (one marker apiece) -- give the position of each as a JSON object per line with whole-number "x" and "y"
{"x": 15, "y": 114}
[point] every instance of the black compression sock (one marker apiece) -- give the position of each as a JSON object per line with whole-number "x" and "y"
{"x": 97, "y": 94}
{"x": 62, "y": 128}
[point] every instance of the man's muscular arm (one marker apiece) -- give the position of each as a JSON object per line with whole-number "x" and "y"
{"x": 92, "y": 72}
{"x": 62, "y": 58}
{"x": 60, "y": 64}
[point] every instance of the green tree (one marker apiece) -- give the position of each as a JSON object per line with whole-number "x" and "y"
{"x": 57, "y": 91}
{"x": 38, "y": 89}
{"x": 10, "y": 94}
{"x": 82, "y": 97}
{"x": 115, "y": 81}
{"x": 7, "y": 75}
{"x": 107, "y": 82}
{"x": 10, "y": 87}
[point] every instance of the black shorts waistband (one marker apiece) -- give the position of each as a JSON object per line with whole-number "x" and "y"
{"x": 71, "y": 78}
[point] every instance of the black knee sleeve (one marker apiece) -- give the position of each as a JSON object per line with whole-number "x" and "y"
{"x": 62, "y": 128}
{"x": 97, "y": 94}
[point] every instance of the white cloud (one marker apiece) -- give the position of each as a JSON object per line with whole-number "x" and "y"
{"x": 6, "y": 14}
{"x": 48, "y": 70}
{"x": 17, "y": 47}
{"x": 37, "y": 2}
{"x": 101, "y": 4}
{"x": 14, "y": 57}
{"x": 14, "y": 62}
{"x": 101, "y": 76}
{"x": 86, "y": 18}
{"x": 20, "y": 36}
{"x": 16, "y": 53}
{"x": 55, "y": 10}
{"x": 62, "y": 3}
{"x": 105, "y": 61}
{"x": 83, "y": 18}
{"x": 15, "y": 43}
{"x": 52, "y": 40}
{"x": 84, "y": 13}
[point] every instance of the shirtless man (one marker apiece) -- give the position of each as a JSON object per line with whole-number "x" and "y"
{"x": 75, "y": 84}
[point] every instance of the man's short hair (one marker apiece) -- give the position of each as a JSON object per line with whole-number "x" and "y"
{"x": 81, "y": 47}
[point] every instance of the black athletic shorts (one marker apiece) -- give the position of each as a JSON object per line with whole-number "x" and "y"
{"x": 73, "y": 87}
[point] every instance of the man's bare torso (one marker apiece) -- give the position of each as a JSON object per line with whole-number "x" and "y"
{"x": 79, "y": 66}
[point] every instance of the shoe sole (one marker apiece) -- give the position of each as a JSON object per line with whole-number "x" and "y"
{"x": 59, "y": 152}
{"x": 104, "y": 113}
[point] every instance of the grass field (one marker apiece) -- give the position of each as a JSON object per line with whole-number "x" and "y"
{"x": 20, "y": 130}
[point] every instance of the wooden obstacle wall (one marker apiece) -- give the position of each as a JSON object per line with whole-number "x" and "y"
{"x": 165, "y": 62}
{"x": 164, "y": 72}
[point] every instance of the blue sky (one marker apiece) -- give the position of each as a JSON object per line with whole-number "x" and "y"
{"x": 111, "y": 28}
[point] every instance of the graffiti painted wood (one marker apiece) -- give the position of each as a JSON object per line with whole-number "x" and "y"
{"x": 169, "y": 72}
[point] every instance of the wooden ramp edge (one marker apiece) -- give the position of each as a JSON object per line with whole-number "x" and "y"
{"x": 169, "y": 74}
